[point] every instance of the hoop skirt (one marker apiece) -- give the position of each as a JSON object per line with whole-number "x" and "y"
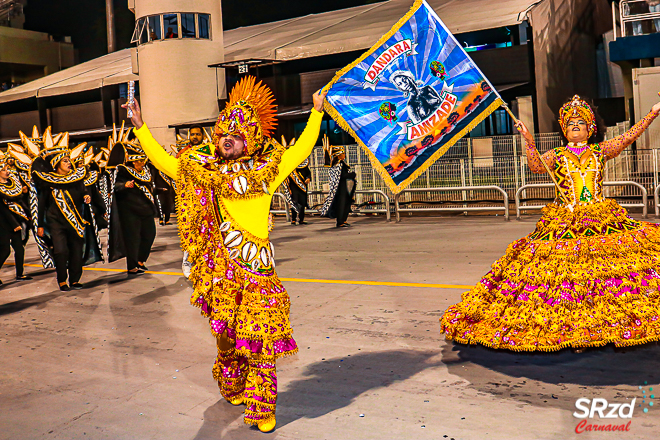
{"x": 587, "y": 276}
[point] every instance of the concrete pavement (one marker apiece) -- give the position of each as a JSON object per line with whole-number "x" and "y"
{"x": 132, "y": 359}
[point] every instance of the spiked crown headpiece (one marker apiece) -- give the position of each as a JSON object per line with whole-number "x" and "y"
{"x": 48, "y": 147}
{"x": 122, "y": 150}
{"x": 577, "y": 108}
{"x": 331, "y": 153}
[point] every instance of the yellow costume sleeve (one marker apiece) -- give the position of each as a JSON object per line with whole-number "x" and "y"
{"x": 157, "y": 154}
{"x": 300, "y": 150}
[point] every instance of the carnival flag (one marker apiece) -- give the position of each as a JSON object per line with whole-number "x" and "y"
{"x": 410, "y": 97}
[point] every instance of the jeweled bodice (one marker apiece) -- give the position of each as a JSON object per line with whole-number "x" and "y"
{"x": 580, "y": 175}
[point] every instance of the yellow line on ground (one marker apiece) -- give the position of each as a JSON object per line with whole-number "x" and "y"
{"x": 300, "y": 280}
{"x": 377, "y": 283}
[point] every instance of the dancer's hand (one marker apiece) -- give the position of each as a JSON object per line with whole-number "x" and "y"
{"x": 520, "y": 126}
{"x": 318, "y": 99}
{"x": 130, "y": 184}
{"x": 136, "y": 119}
{"x": 17, "y": 228}
{"x": 87, "y": 199}
{"x": 656, "y": 108}
{"x": 40, "y": 232}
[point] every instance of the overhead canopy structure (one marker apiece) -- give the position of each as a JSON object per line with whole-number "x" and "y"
{"x": 312, "y": 35}
{"x": 360, "y": 28}
{"x": 114, "y": 68}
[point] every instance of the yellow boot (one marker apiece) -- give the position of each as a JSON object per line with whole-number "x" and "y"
{"x": 267, "y": 425}
{"x": 238, "y": 400}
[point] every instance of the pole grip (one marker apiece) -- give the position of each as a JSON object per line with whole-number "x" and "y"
{"x": 131, "y": 97}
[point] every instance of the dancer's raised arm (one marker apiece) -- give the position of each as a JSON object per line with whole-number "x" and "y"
{"x": 613, "y": 147}
{"x": 533, "y": 157}
{"x": 156, "y": 153}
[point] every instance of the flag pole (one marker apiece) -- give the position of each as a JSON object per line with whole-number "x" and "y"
{"x": 545, "y": 165}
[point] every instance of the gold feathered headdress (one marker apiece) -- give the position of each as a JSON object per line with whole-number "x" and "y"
{"x": 249, "y": 113}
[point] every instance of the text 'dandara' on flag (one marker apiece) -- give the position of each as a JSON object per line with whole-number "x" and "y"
{"x": 410, "y": 97}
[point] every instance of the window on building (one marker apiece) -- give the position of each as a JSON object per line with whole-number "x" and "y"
{"x": 501, "y": 123}
{"x": 204, "y": 31}
{"x": 479, "y": 130}
{"x": 155, "y": 30}
{"x": 144, "y": 33}
{"x": 188, "y": 26}
{"x": 139, "y": 28}
{"x": 171, "y": 24}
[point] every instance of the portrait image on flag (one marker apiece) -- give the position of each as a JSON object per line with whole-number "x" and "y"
{"x": 410, "y": 97}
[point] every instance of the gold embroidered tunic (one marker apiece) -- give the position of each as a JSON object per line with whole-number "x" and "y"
{"x": 223, "y": 209}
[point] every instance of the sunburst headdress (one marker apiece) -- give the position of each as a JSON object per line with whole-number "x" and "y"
{"x": 99, "y": 161}
{"x": 122, "y": 150}
{"x": 249, "y": 113}
{"x": 48, "y": 147}
{"x": 331, "y": 153}
{"x": 181, "y": 143}
{"x": 577, "y": 108}
{"x": 3, "y": 159}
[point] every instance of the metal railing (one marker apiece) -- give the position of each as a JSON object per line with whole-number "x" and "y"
{"x": 643, "y": 205}
{"x": 631, "y": 17}
{"x": 656, "y": 200}
{"x": 386, "y": 200}
{"x": 464, "y": 208}
{"x": 286, "y": 211}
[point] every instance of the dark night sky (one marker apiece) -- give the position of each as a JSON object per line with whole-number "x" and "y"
{"x": 84, "y": 20}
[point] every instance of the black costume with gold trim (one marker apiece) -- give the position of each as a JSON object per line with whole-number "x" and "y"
{"x": 132, "y": 209}
{"x": 164, "y": 194}
{"x": 295, "y": 191}
{"x": 342, "y": 185}
{"x": 70, "y": 230}
{"x": 13, "y": 213}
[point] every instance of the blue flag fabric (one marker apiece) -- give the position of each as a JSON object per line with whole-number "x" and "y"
{"x": 410, "y": 97}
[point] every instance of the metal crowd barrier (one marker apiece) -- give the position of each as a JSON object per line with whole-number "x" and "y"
{"x": 656, "y": 200}
{"x": 504, "y": 208}
{"x": 286, "y": 210}
{"x": 378, "y": 192}
{"x": 385, "y": 210}
{"x": 642, "y": 205}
